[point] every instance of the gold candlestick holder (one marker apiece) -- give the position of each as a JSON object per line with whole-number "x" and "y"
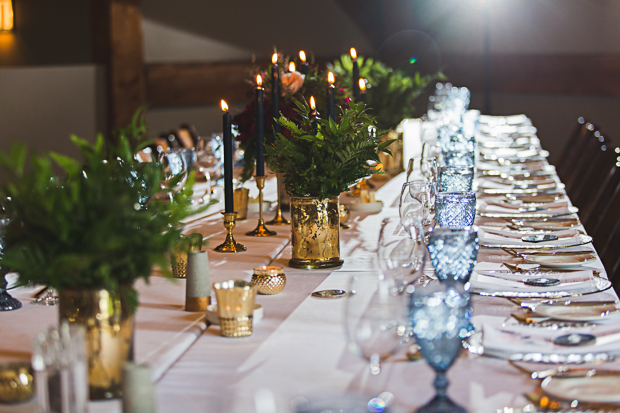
{"x": 279, "y": 219}
{"x": 261, "y": 230}
{"x": 230, "y": 245}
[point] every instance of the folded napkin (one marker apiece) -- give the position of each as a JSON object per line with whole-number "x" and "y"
{"x": 494, "y": 207}
{"x": 504, "y": 203}
{"x": 506, "y": 233}
{"x": 508, "y": 185}
{"x": 504, "y": 181}
{"x": 500, "y": 337}
{"x": 491, "y": 238}
{"x": 511, "y": 152}
{"x": 508, "y": 120}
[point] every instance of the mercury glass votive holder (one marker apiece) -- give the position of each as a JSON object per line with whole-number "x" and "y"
{"x": 455, "y": 209}
{"x": 454, "y": 252}
{"x": 456, "y": 178}
{"x": 180, "y": 251}
{"x": 269, "y": 279}
{"x": 235, "y": 306}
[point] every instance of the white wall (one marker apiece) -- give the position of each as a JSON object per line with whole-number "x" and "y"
{"x": 42, "y": 106}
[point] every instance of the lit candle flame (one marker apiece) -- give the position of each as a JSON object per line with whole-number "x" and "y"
{"x": 302, "y": 55}
{"x": 362, "y": 85}
{"x": 330, "y": 78}
{"x": 312, "y": 103}
{"x": 353, "y": 53}
{"x": 274, "y": 58}
{"x": 224, "y": 105}
{"x": 259, "y": 80}
{"x": 291, "y": 67}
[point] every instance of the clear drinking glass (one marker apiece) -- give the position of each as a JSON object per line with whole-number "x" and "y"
{"x": 175, "y": 170}
{"x": 439, "y": 315}
{"x": 415, "y": 200}
{"x": 453, "y": 253}
{"x": 455, "y": 178}
{"x": 455, "y": 209}
{"x": 375, "y": 319}
{"x": 460, "y": 159}
{"x": 401, "y": 253}
{"x": 61, "y": 370}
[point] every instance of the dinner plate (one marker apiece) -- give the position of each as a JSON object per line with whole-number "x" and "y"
{"x": 554, "y": 261}
{"x": 365, "y": 206}
{"x": 596, "y": 285}
{"x": 578, "y": 313}
{"x": 599, "y": 388}
{"x": 547, "y": 225}
{"x": 580, "y": 239}
{"x": 548, "y": 213}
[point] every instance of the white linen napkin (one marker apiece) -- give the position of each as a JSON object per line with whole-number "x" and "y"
{"x": 487, "y": 238}
{"x": 565, "y": 233}
{"x": 498, "y": 208}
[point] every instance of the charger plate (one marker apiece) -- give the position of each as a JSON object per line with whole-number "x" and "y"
{"x": 580, "y": 239}
{"x": 560, "y": 261}
{"x": 601, "y": 387}
{"x": 596, "y": 285}
{"x": 529, "y": 215}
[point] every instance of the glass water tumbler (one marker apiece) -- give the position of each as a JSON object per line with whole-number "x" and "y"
{"x": 460, "y": 159}
{"x": 455, "y": 209}
{"x": 455, "y": 178}
{"x": 454, "y": 252}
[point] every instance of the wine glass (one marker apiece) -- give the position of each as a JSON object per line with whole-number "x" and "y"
{"x": 175, "y": 171}
{"x": 423, "y": 191}
{"x": 375, "y": 319}
{"x": 439, "y": 315}
{"x": 409, "y": 207}
{"x": 401, "y": 253}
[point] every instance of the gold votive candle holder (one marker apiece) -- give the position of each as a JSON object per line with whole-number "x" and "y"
{"x": 269, "y": 280}
{"x": 235, "y": 305}
{"x": 179, "y": 253}
{"x": 241, "y": 197}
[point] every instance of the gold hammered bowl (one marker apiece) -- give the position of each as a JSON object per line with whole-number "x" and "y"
{"x": 269, "y": 280}
{"x": 16, "y": 382}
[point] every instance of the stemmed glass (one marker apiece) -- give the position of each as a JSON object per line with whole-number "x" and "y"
{"x": 414, "y": 202}
{"x": 401, "y": 253}
{"x": 454, "y": 253}
{"x": 439, "y": 314}
{"x": 423, "y": 191}
{"x": 375, "y": 326}
{"x": 175, "y": 172}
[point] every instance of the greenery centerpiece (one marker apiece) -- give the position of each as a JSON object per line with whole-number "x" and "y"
{"x": 86, "y": 233}
{"x": 320, "y": 159}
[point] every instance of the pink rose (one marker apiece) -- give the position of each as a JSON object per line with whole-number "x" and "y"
{"x": 292, "y": 82}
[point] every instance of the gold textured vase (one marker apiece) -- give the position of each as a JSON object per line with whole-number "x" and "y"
{"x": 315, "y": 230}
{"x": 109, "y": 333}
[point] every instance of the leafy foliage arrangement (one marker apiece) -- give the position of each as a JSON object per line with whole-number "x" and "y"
{"x": 314, "y": 84}
{"x": 390, "y": 93}
{"x": 326, "y": 163}
{"x": 87, "y": 229}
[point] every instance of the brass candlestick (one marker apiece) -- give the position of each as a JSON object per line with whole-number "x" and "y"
{"x": 230, "y": 245}
{"x": 279, "y": 219}
{"x": 261, "y": 230}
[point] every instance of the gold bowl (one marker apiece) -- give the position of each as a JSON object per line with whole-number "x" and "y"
{"x": 16, "y": 382}
{"x": 269, "y": 280}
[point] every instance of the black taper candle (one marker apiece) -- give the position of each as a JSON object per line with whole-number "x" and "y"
{"x": 229, "y": 202}
{"x": 275, "y": 92}
{"x": 314, "y": 115}
{"x": 260, "y": 128}
{"x": 304, "y": 63}
{"x": 331, "y": 105}
{"x": 356, "y": 76}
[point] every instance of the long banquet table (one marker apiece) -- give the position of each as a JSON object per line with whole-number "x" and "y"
{"x": 298, "y": 349}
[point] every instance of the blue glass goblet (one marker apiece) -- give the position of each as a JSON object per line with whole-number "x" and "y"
{"x": 439, "y": 314}
{"x": 454, "y": 253}
{"x": 455, "y": 178}
{"x": 455, "y": 209}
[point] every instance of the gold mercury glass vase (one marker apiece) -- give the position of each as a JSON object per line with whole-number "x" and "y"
{"x": 109, "y": 333}
{"x": 315, "y": 230}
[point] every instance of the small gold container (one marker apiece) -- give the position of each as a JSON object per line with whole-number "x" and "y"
{"x": 269, "y": 280}
{"x": 235, "y": 305}
{"x": 179, "y": 253}
{"x": 16, "y": 382}
{"x": 241, "y": 197}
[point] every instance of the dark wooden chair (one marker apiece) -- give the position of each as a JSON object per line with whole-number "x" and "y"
{"x": 593, "y": 211}
{"x": 606, "y": 236}
{"x": 574, "y": 177}
{"x": 569, "y": 153}
{"x": 597, "y": 165}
